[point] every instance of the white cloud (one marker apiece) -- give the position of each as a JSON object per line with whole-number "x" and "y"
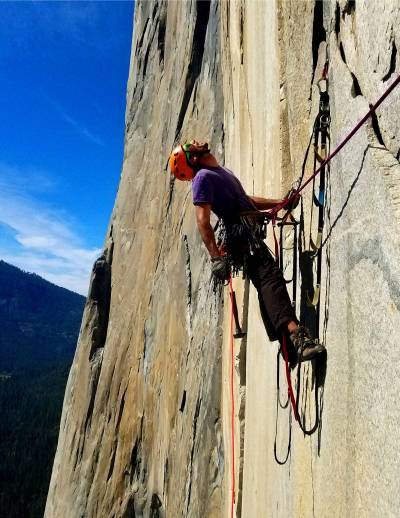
{"x": 41, "y": 239}
{"x": 32, "y": 179}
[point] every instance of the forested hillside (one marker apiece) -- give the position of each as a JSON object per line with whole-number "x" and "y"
{"x": 39, "y": 325}
{"x": 39, "y": 321}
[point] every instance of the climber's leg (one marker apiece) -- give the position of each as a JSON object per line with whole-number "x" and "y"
{"x": 276, "y": 308}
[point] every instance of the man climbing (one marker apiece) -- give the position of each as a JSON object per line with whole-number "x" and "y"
{"x": 216, "y": 189}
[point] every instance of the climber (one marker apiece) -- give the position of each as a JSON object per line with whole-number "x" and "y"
{"x": 216, "y": 188}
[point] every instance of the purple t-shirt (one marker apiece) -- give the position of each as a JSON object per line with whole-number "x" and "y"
{"x": 220, "y": 188}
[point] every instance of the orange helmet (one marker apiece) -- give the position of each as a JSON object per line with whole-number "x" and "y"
{"x": 180, "y": 164}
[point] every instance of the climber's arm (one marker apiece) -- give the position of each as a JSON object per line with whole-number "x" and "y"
{"x": 203, "y": 214}
{"x": 264, "y": 203}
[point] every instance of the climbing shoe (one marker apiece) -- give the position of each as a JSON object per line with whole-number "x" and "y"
{"x": 307, "y": 347}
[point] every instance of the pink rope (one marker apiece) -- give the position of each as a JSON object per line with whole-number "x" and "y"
{"x": 372, "y": 109}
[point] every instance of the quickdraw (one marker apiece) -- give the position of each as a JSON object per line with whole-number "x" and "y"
{"x": 321, "y": 151}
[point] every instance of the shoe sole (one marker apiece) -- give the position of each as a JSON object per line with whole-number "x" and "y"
{"x": 312, "y": 355}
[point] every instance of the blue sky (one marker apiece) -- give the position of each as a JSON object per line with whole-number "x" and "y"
{"x": 64, "y": 68}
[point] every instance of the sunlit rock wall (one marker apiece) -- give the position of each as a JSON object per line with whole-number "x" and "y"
{"x": 277, "y": 52}
{"x": 145, "y": 429}
{"x": 141, "y": 426}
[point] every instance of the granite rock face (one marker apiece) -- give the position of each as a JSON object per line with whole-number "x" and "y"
{"x": 145, "y": 429}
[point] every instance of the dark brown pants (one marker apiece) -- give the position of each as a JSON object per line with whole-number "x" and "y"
{"x": 275, "y": 305}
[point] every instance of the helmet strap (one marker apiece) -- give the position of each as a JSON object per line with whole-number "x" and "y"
{"x": 187, "y": 152}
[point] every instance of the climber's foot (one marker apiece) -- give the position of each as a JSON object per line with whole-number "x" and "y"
{"x": 307, "y": 347}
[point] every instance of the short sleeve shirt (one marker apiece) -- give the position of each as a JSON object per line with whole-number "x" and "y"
{"x": 219, "y": 187}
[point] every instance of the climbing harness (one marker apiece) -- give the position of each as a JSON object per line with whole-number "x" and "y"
{"x": 240, "y": 239}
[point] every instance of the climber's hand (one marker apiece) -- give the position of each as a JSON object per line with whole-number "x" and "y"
{"x": 220, "y": 268}
{"x": 294, "y": 201}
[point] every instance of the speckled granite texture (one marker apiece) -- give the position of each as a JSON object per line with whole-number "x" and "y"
{"x": 145, "y": 425}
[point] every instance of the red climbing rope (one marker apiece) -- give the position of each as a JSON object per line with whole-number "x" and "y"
{"x": 372, "y": 109}
{"x": 232, "y": 402}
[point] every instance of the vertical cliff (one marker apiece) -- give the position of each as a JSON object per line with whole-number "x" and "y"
{"x": 145, "y": 429}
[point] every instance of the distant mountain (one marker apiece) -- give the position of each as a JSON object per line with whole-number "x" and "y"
{"x": 39, "y": 321}
{"x": 39, "y": 327}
